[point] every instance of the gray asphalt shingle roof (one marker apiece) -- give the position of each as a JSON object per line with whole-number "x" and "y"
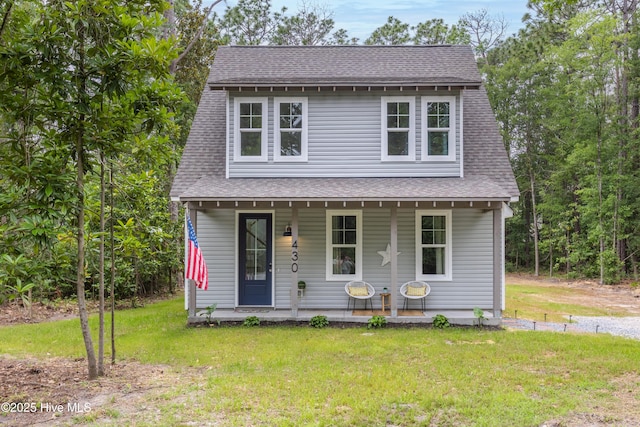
{"x": 343, "y": 65}
{"x": 487, "y": 171}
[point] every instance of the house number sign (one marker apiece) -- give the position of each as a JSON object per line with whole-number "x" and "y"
{"x": 294, "y": 256}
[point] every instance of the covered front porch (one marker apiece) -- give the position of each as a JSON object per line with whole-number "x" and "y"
{"x": 359, "y": 316}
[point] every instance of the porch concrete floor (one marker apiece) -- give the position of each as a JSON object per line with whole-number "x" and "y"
{"x": 455, "y": 317}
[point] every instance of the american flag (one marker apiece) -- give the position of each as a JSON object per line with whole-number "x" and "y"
{"x": 196, "y": 267}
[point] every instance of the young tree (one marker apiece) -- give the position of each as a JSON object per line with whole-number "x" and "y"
{"x": 97, "y": 80}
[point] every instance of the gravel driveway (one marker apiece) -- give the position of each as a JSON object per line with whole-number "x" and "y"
{"x": 622, "y": 326}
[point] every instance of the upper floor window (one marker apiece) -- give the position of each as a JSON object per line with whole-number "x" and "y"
{"x": 290, "y": 138}
{"x": 344, "y": 245}
{"x": 398, "y": 128}
{"x": 250, "y": 137}
{"x": 433, "y": 245}
{"x": 439, "y": 129}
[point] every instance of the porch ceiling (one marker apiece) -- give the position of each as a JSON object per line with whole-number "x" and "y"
{"x": 477, "y": 188}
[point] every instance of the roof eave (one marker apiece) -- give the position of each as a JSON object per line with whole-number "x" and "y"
{"x": 285, "y": 86}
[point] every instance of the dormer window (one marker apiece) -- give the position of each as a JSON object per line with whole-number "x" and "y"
{"x": 439, "y": 131}
{"x": 250, "y": 141}
{"x": 398, "y": 128}
{"x": 290, "y": 135}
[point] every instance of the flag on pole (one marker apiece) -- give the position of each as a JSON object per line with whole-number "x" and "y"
{"x": 196, "y": 267}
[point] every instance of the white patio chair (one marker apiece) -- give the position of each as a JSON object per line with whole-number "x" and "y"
{"x": 415, "y": 290}
{"x": 359, "y": 290}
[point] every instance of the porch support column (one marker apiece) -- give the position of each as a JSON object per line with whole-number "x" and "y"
{"x": 394, "y": 261}
{"x": 294, "y": 261}
{"x": 498, "y": 260}
{"x": 191, "y": 283}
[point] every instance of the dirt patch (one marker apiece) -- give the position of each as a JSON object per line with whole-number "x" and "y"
{"x": 620, "y": 299}
{"x": 54, "y": 391}
{"x": 621, "y": 410}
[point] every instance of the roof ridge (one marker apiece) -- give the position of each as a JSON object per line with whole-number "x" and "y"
{"x": 411, "y": 46}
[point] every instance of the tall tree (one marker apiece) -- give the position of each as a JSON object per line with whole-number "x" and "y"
{"x": 435, "y": 31}
{"x": 485, "y": 31}
{"x": 311, "y": 26}
{"x": 393, "y": 32}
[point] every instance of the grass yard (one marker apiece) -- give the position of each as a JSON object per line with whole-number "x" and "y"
{"x": 297, "y": 376}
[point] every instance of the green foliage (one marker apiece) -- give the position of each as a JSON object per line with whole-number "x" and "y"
{"x": 377, "y": 322}
{"x": 252, "y": 22}
{"x": 479, "y": 314}
{"x": 251, "y": 321}
{"x": 319, "y": 321}
{"x": 394, "y": 32}
{"x": 209, "y": 311}
{"x": 440, "y": 321}
{"x": 77, "y": 81}
{"x": 562, "y": 89}
{"x": 435, "y": 31}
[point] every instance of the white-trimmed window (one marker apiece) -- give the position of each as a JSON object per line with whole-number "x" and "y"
{"x": 250, "y": 136}
{"x": 290, "y": 135}
{"x": 344, "y": 245}
{"x": 439, "y": 128}
{"x": 433, "y": 245}
{"x": 398, "y": 128}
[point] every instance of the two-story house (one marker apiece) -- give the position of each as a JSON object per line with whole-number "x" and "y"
{"x": 338, "y": 163}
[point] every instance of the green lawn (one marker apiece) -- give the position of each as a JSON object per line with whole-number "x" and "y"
{"x": 293, "y": 376}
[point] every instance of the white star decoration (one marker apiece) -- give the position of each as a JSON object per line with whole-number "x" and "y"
{"x": 386, "y": 255}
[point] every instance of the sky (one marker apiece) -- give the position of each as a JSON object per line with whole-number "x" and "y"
{"x": 361, "y": 17}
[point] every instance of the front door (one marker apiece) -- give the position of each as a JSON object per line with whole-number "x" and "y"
{"x": 255, "y": 263}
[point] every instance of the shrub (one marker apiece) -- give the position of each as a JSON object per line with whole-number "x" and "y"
{"x": 251, "y": 321}
{"x": 319, "y": 322}
{"x": 440, "y": 321}
{"x": 377, "y": 322}
{"x": 479, "y": 313}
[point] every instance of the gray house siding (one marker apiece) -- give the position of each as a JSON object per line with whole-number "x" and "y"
{"x": 345, "y": 132}
{"x": 472, "y": 259}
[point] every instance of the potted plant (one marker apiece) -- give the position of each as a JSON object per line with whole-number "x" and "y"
{"x": 302, "y": 284}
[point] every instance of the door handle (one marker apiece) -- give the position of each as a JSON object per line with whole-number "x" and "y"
{"x": 270, "y": 268}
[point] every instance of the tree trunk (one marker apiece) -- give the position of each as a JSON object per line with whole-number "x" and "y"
{"x": 113, "y": 270}
{"x": 536, "y": 233}
{"x": 82, "y": 305}
{"x": 79, "y": 152}
{"x": 101, "y": 272}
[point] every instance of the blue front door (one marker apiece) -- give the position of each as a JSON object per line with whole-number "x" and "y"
{"x": 255, "y": 263}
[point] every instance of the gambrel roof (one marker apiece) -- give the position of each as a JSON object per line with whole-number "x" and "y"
{"x": 202, "y": 172}
{"x": 310, "y": 66}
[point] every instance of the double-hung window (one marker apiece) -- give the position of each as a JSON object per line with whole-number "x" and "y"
{"x": 250, "y": 136}
{"x": 439, "y": 128}
{"x": 398, "y": 128}
{"x": 433, "y": 245}
{"x": 344, "y": 245}
{"x": 290, "y": 137}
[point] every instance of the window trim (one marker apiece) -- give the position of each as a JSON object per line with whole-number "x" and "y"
{"x": 330, "y": 276}
{"x": 452, "y": 130}
{"x": 448, "y": 245}
{"x": 264, "y": 146}
{"x": 304, "y": 156}
{"x": 384, "y": 146}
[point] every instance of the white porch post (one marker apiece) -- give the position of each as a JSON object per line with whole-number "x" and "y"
{"x": 394, "y": 261}
{"x": 498, "y": 261}
{"x": 294, "y": 261}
